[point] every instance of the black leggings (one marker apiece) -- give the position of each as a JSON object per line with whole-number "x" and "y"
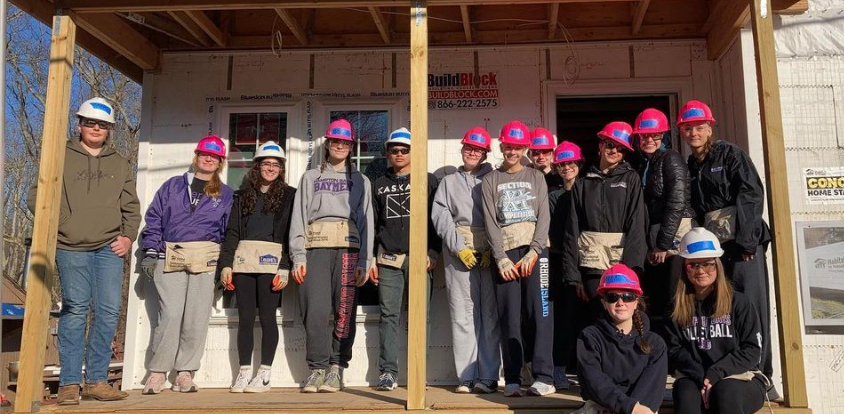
{"x": 251, "y": 291}
{"x": 728, "y": 396}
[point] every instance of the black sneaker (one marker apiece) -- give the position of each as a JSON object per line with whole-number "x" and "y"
{"x": 486, "y": 386}
{"x": 387, "y": 382}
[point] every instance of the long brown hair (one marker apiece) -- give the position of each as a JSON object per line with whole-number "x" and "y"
{"x": 215, "y": 185}
{"x": 252, "y": 186}
{"x": 325, "y": 156}
{"x": 684, "y": 297}
{"x": 644, "y": 345}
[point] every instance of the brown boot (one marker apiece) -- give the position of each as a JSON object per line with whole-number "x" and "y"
{"x": 101, "y": 391}
{"x": 68, "y": 395}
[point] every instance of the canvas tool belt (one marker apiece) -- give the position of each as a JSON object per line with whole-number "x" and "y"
{"x": 332, "y": 234}
{"x": 395, "y": 260}
{"x": 191, "y": 257}
{"x": 686, "y": 224}
{"x": 474, "y": 237}
{"x": 253, "y": 256}
{"x": 722, "y": 223}
{"x": 600, "y": 250}
{"x": 517, "y": 235}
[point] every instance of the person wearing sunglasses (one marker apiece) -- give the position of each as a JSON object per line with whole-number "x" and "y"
{"x": 331, "y": 235}
{"x": 541, "y": 151}
{"x": 458, "y": 217}
{"x": 607, "y": 219}
{"x": 665, "y": 182}
{"x": 98, "y": 220}
{"x": 255, "y": 261}
{"x": 728, "y": 197}
{"x": 185, "y": 225}
{"x": 391, "y": 206}
{"x": 621, "y": 364}
{"x": 714, "y": 336}
{"x": 515, "y": 201}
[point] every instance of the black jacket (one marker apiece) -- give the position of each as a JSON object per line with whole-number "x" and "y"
{"x": 559, "y": 201}
{"x": 726, "y": 178}
{"x": 237, "y": 227}
{"x": 665, "y": 180}
{"x": 554, "y": 181}
{"x": 613, "y": 370}
{"x": 716, "y": 348}
{"x": 391, "y": 202}
{"x": 611, "y": 203}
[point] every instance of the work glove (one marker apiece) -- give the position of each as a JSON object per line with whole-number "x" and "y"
{"x": 507, "y": 269}
{"x": 299, "y": 271}
{"x": 282, "y": 276}
{"x": 486, "y": 259}
{"x": 226, "y": 278}
{"x": 525, "y": 265}
{"x": 148, "y": 264}
{"x": 467, "y": 256}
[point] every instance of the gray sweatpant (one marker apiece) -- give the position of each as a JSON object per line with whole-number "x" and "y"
{"x": 474, "y": 320}
{"x": 185, "y": 301}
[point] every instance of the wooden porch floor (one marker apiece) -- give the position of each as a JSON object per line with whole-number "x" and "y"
{"x": 356, "y": 399}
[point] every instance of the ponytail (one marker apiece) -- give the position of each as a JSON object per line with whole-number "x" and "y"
{"x": 640, "y": 326}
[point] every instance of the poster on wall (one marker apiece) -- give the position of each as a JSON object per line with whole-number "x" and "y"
{"x": 820, "y": 250}
{"x": 824, "y": 185}
{"x": 458, "y": 91}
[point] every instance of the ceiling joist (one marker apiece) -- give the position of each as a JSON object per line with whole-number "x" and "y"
{"x": 208, "y": 26}
{"x": 120, "y": 36}
{"x": 467, "y": 24}
{"x": 293, "y": 25}
{"x": 191, "y": 27}
{"x": 553, "y": 17}
{"x": 639, "y": 16}
{"x": 732, "y": 16}
{"x": 381, "y": 23}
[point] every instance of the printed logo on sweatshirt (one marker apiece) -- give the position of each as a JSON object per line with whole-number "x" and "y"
{"x": 704, "y": 329}
{"x": 514, "y": 202}
{"x": 544, "y": 287}
{"x": 333, "y": 185}
{"x": 618, "y": 184}
{"x": 93, "y": 175}
{"x": 716, "y": 169}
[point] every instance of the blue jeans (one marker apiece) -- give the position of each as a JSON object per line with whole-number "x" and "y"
{"x": 88, "y": 277}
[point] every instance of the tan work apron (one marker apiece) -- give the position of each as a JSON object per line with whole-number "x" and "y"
{"x": 686, "y": 224}
{"x": 395, "y": 260}
{"x": 253, "y": 256}
{"x": 332, "y": 234}
{"x": 191, "y": 257}
{"x": 517, "y": 235}
{"x": 474, "y": 238}
{"x": 600, "y": 250}
{"x": 722, "y": 223}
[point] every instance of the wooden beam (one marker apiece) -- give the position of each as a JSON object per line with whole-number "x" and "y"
{"x": 163, "y": 25}
{"x": 208, "y": 26}
{"x": 467, "y": 25}
{"x": 786, "y": 289}
{"x": 790, "y": 6}
{"x": 417, "y": 346}
{"x": 42, "y": 266}
{"x": 190, "y": 26}
{"x": 716, "y": 12}
{"x": 120, "y": 36}
{"x": 381, "y": 23}
{"x": 639, "y": 15}
{"x": 733, "y": 17}
{"x": 293, "y": 25}
{"x": 553, "y": 18}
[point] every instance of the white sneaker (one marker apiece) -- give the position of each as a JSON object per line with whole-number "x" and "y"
{"x": 540, "y": 388}
{"x": 261, "y": 382}
{"x": 241, "y": 382}
{"x": 465, "y": 387}
{"x": 513, "y": 390}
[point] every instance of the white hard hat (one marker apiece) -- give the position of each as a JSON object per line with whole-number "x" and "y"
{"x": 399, "y": 136}
{"x": 96, "y": 108}
{"x": 269, "y": 149}
{"x": 700, "y": 243}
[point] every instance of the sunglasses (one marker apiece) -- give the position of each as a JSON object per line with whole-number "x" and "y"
{"x": 397, "y": 151}
{"x": 626, "y": 297}
{"x": 90, "y": 123}
{"x": 608, "y": 144}
{"x": 706, "y": 266}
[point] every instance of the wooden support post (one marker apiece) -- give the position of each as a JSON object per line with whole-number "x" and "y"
{"x": 553, "y": 19}
{"x": 779, "y": 210}
{"x": 46, "y": 226}
{"x": 417, "y": 345}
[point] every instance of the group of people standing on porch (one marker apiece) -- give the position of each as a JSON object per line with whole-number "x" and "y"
{"x": 548, "y": 262}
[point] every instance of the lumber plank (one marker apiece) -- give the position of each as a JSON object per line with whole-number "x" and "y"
{"x": 734, "y": 16}
{"x": 467, "y": 24}
{"x": 639, "y": 16}
{"x": 120, "y": 36}
{"x": 188, "y": 24}
{"x": 208, "y": 26}
{"x": 553, "y": 17}
{"x": 293, "y": 25}
{"x": 381, "y": 23}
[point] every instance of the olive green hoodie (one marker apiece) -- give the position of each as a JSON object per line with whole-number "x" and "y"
{"x": 99, "y": 201}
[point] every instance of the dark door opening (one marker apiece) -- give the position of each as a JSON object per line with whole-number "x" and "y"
{"x": 580, "y": 118}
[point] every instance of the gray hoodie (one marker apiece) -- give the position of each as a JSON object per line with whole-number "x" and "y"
{"x": 459, "y": 202}
{"x": 332, "y": 196}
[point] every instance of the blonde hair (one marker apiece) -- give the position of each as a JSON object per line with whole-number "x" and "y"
{"x": 214, "y": 188}
{"x": 684, "y": 297}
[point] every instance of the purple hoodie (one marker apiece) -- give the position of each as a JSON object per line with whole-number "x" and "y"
{"x": 170, "y": 219}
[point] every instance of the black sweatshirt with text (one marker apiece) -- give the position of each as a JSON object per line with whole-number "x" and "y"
{"x": 391, "y": 201}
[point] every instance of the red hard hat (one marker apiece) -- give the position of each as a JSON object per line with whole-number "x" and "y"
{"x": 542, "y": 139}
{"x": 515, "y": 133}
{"x": 619, "y": 132}
{"x": 211, "y": 144}
{"x": 340, "y": 129}
{"x": 693, "y": 111}
{"x": 651, "y": 121}
{"x": 620, "y": 277}
{"x": 566, "y": 152}
{"x": 477, "y": 137}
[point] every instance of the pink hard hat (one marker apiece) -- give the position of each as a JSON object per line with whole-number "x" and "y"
{"x": 542, "y": 139}
{"x": 340, "y": 129}
{"x": 694, "y": 111}
{"x": 515, "y": 133}
{"x": 651, "y": 121}
{"x": 211, "y": 144}
{"x": 567, "y": 151}
{"x": 620, "y": 277}
{"x": 619, "y": 132}
{"x": 477, "y": 137}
